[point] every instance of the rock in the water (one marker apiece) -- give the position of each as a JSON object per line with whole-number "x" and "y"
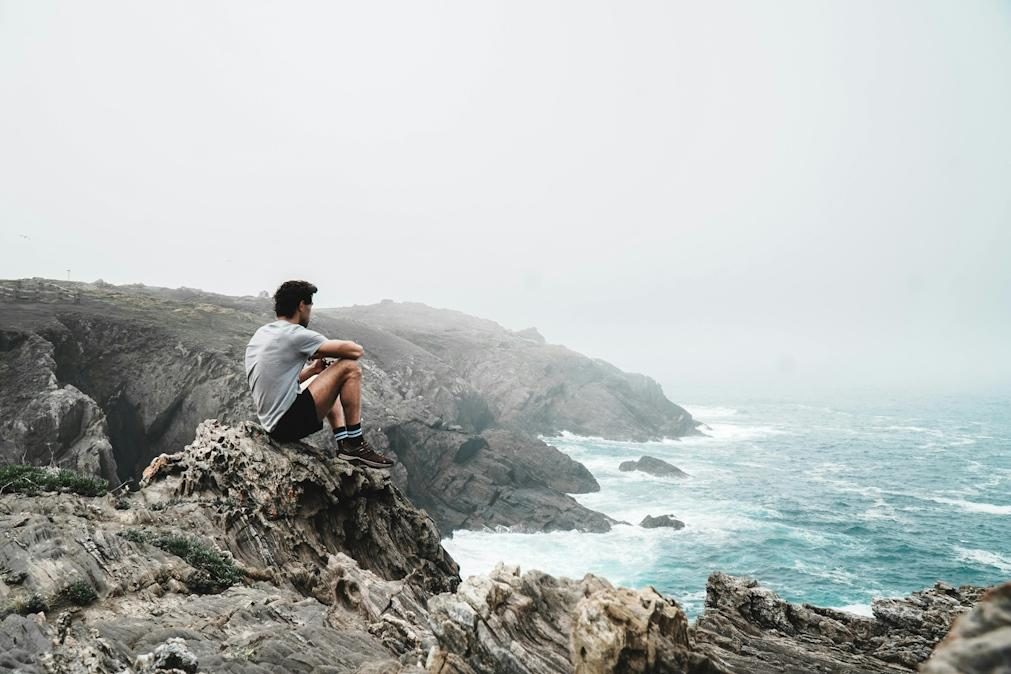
{"x": 650, "y": 522}
{"x": 980, "y": 640}
{"x": 653, "y": 466}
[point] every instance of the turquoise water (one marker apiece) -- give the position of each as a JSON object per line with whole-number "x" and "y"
{"x": 828, "y": 504}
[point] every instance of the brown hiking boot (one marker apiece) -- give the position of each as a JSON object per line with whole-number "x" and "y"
{"x": 362, "y": 454}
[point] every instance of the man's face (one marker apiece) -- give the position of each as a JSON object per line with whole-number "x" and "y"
{"x": 304, "y": 311}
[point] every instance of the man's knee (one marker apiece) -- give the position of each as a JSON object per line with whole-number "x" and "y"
{"x": 350, "y": 369}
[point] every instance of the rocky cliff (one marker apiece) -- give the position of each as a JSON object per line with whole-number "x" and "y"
{"x": 103, "y": 378}
{"x": 529, "y": 383}
{"x": 239, "y": 554}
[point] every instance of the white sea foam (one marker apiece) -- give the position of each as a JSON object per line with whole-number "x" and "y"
{"x": 858, "y": 609}
{"x": 972, "y": 506}
{"x": 984, "y": 557}
{"x": 705, "y": 412}
{"x": 835, "y": 574}
{"x": 561, "y": 553}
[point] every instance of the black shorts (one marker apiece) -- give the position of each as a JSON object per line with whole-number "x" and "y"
{"x": 299, "y": 420}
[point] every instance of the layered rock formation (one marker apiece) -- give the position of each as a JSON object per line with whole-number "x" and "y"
{"x": 103, "y": 378}
{"x": 261, "y": 557}
{"x": 752, "y": 629}
{"x": 243, "y": 555}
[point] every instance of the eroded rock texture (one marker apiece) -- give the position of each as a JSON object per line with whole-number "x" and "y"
{"x": 980, "y": 640}
{"x": 335, "y": 566}
{"x": 752, "y": 629}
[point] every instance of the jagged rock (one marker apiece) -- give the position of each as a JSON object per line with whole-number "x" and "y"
{"x": 753, "y": 630}
{"x": 980, "y": 640}
{"x": 44, "y": 421}
{"x": 653, "y": 466}
{"x": 651, "y": 522}
{"x": 171, "y": 656}
{"x": 337, "y": 565}
{"x": 535, "y": 623}
{"x": 326, "y": 505}
{"x": 465, "y": 486}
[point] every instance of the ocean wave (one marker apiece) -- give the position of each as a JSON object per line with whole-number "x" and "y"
{"x": 834, "y": 574}
{"x": 971, "y": 506}
{"x": 857, "y": 609}
{"x": 984, "y": 557}
{"x": 704, "y": 412}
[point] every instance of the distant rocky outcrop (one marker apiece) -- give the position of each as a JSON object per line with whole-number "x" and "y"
{"x": 103, "y": 378}
{"x": 669, "y": 521}
{"x": 653, "y": 466}
{"x": 530, "y": 384}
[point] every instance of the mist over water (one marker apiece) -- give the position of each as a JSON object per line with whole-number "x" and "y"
{"x": 828, "y": 504}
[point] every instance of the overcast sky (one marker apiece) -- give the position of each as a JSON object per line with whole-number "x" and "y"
{"x": 729, "y": 196}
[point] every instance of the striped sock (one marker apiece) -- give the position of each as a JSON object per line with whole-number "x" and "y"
{"x": 355, "y": 430}
{"x": 340, "y": 433}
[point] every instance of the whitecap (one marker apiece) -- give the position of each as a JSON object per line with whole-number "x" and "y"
{"x": 704, "y": 412}
{"x": 856, "y": 609}
{"x": 984, "y": 557}
{"x": 972, "y": 506}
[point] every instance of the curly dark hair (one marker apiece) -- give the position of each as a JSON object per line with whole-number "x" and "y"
{"x": 289, "y": 294}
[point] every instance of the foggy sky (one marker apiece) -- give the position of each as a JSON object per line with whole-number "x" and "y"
{"x": 728, "y": 196}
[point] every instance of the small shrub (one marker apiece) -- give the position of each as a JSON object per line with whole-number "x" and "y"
{"x": 134, "y": 536}
{"x": 33, "y": 603}
{"x": 78, "y": 593}
{"x": 32, "y": 480}
{"x": 215, "y": 571}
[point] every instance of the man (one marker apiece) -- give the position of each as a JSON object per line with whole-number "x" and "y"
{"x": 276, "y": 360}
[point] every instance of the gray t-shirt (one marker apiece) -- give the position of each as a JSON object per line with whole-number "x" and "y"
{"x": 274, "y": 356}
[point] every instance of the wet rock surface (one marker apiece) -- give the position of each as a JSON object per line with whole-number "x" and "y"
{"x": 653, "y": 466}
{"x": 668, "y": 521}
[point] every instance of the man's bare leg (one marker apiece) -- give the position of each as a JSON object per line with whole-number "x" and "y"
{"x": 336, "y": 416}
{"x": 340, "y": 380}
{"x": 339, "y": 388}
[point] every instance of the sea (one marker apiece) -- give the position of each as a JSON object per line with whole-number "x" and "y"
{"x": 831, "y": 504}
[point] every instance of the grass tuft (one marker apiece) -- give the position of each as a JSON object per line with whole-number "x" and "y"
{"x": 215, "y": 572}
{"x": 32, "y": 480}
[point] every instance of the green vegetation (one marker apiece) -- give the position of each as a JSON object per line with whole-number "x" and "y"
{"x": 32, "y": 480}
{"x": 215, "y": 572}
{"x": 25, "y": 604}
{"x": 78, "y": 593}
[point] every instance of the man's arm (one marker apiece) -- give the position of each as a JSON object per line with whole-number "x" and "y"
{"x": 339, "y": 348}
{"x": 311, "y": 370}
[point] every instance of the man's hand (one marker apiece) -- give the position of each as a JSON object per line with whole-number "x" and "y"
{"x": 317, "y": 366}
{"x": 312, "y": 369}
